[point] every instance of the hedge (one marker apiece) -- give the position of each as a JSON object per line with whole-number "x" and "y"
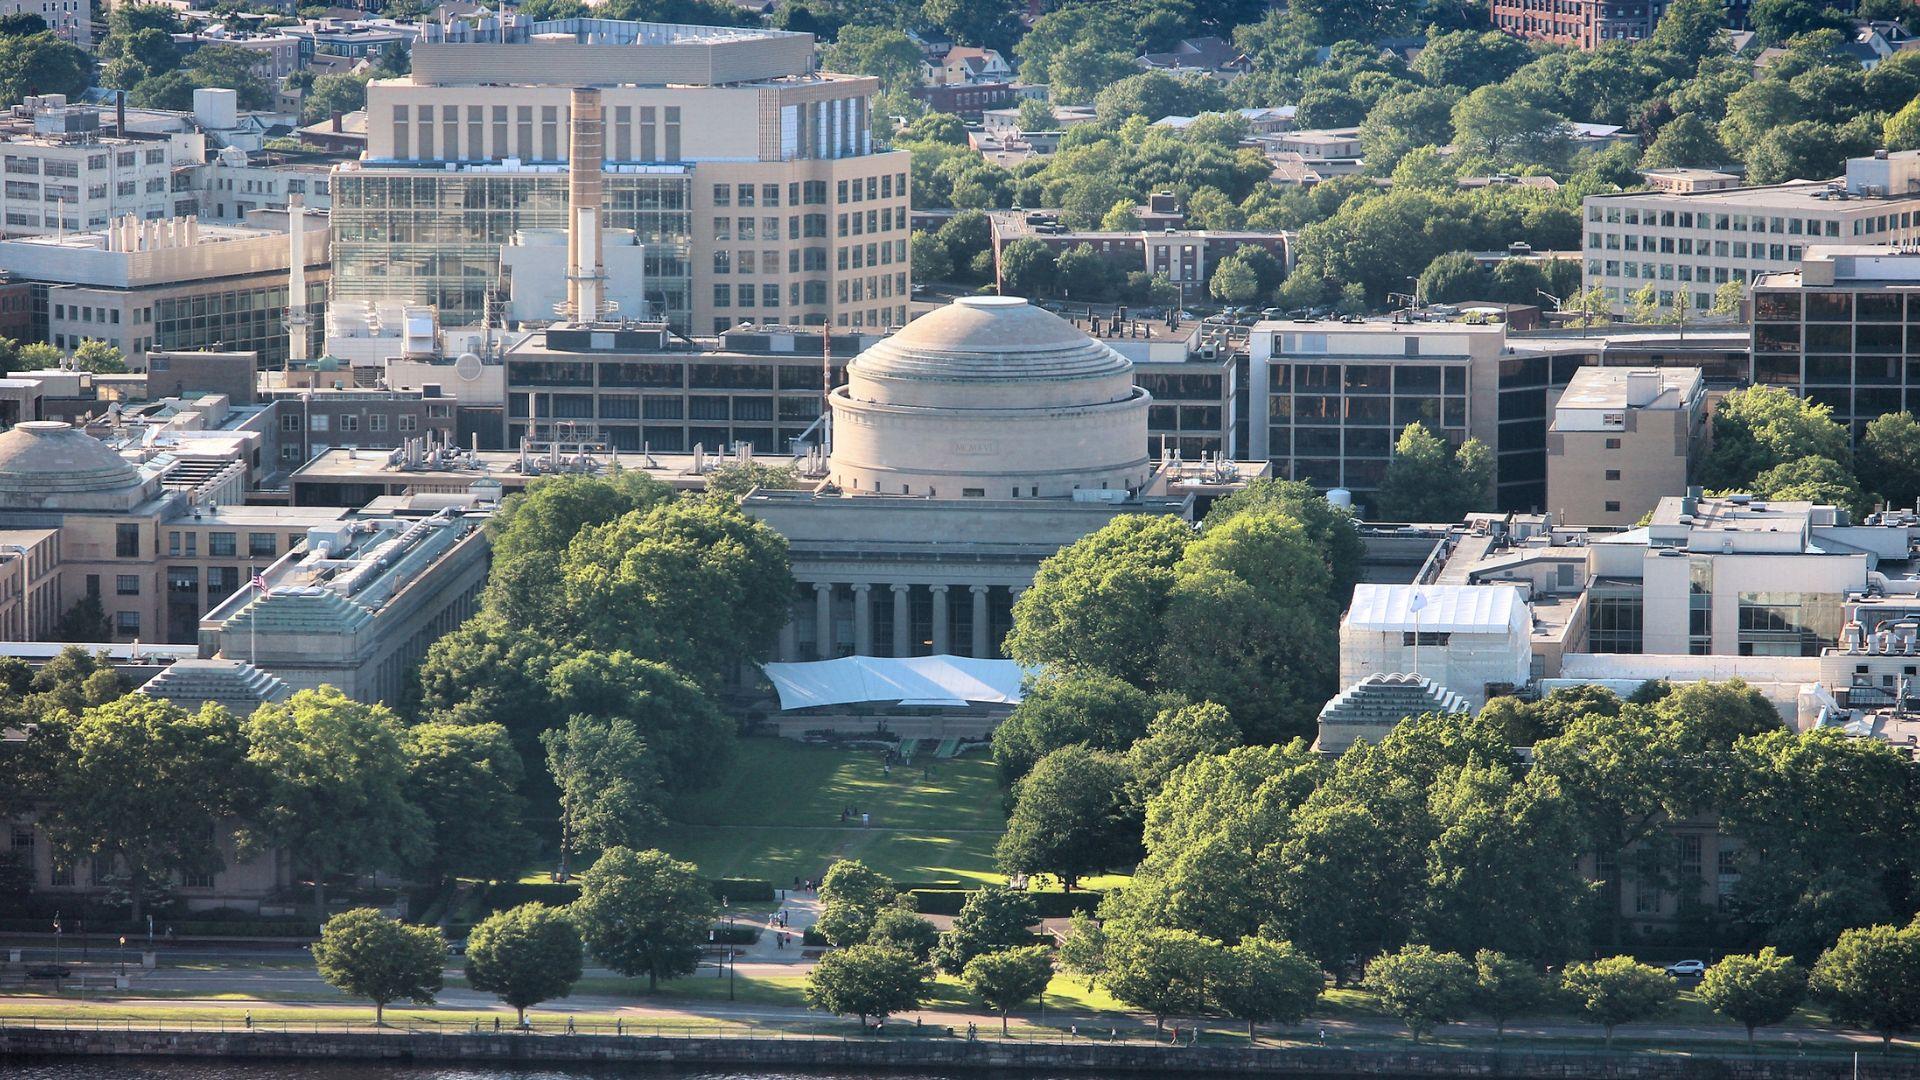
{"x": 1050, "y": 905}
{"x": 742, "y": 890}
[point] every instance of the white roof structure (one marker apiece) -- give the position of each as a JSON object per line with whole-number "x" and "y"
{"x": 1439, "y": 609}
{"x": 909, "y": 680}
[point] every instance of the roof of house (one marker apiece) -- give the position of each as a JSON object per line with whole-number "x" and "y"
{"x": 1211, "y": 53}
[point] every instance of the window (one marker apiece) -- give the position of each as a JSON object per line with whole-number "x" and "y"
{"x": 1613, "y": 444}
{"x": 126, "y": 541}
{"x": 349, "y": 423}
{"x": 126, "y": 622}
{"x": 377, "y": 422}
{"x": 1613, "y": 474}
{"x": 126, "y": 584}
{"x": 22, "y": 838}
{"x": 1613, "y": 506}
{"x": 318, "y": 423}
{"x": 289, "y": 422}
{"x": 260, "y": 545}
{"x": 409, "y": 423}
{"x": 222, "y": 545}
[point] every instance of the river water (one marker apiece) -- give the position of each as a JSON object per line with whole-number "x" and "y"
{"x": 193, "y": 1069}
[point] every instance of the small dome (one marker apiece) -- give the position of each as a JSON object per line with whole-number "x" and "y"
{"x": 996, "y": 338}
{"x": 42, "y": 460}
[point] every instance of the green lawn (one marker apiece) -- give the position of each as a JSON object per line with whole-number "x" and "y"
{"x": 776, "y": 815}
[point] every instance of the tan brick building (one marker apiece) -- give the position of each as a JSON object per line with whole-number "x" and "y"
{"x": 1622, "y": 439}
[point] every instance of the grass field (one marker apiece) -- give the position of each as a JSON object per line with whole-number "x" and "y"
{"x": 776, "y": 815}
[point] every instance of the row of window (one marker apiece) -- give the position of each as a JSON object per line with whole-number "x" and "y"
{"x": 1760, "y": 223}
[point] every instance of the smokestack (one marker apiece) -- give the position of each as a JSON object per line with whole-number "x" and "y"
{"x": 297, "y": 333}
{"x": 120, "y": 113}
{"x": 585, "y": 271}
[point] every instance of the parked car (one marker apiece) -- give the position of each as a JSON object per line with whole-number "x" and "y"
{"x": 457, "y": 947}
{"x": 1687, "y": 969}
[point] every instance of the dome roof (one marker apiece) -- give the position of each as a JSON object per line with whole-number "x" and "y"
{"x": 992, "y": 338}
{"x": 46, "y": 459}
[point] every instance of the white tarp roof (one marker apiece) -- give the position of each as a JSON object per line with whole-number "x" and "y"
{"x": 909, "y": 680}
{"x": 1444, "y": 609}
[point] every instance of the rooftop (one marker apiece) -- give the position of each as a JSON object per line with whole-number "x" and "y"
{"x": 1437, "y": 609}
{"x": 1637, "y": 388}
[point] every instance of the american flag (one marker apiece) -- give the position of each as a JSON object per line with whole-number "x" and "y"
{"x": 259, "y": 582}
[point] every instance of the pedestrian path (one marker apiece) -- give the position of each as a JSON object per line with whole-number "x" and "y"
{"x": 801, "y": 909}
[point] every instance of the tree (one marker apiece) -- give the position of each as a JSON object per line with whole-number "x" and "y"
{"x": 1870, "y": 979}
{"x": 1471, "y": 60}
{"x": 491, "y": 671}
{"x": 1422, "y": 987}
{"x": 609, "y": 781}
{"x": 20, "y": 23}
{"x": 937, "y": 128}
{"x": 1495, "y": 122}
{"x": 1504, "y": 988}
{"x": 1154, "y": 94}
{"x": 1089, "y": 708}
{"x": 466, "y": 779}
{"x": 1330, "y": 527}
{"x": 1618, "y": 990}
{"x": 332, "y": 95}
{"x": 1687, "y": 141}
{"x": 1402, "y": 123}
{"x": 733, "y": 482}
{"x": 930, "y": 259}
{"x": 1007, "y": 978}
{"x": 898, "y": 927}
{"x": 1755, "y": 990}
{"x": 1263, "y": 981}
{"x": 86, "y": 620}
{"x": 1174, "y": 738}
{"x": 1166, "y": 972}
{"x": 1763, "y": 426}
{"x": 1890, "y": 453}
{"x": 366, "y": 954}
{"x": 1026, "y": 268}
{"x": 852, "y": 896}
{"x": 1036, "y": 115}
{"x": 99, "y": 357}
{"x": 1096, "y": 603}
{"x": 1453, "y": 277}
{"x": 143, "y": 782}
{"x": 1902, "y": 129}
{"x": 1808, "y": 149}
{"x": 1071, "y": 817}
{"x": 1815, "y": 480}
{"x": 333, "y": 788}
{"x": 691, "y": 738}
{"x": 526, "y": 955}
{"x": 883, "y": 52}
{"x": 1234, "y": 281}
{"x": 1777, "y": 21}
{"x": 1081, "y": 273}
{"x": 1122, "y": 216}
{"x": 1690, "y": 29}
{"x": 644, "y": 913}
{"x": 684, "y": 583}
{"x": 991, "y": 919}
{"x": 864, "y": 981}
{"x": 532, "y": 530}
{"x": 1430, "y": 481}
{"x": 41, "y": 64}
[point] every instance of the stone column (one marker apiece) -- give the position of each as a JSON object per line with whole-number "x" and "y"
{"x": 902, "y": 620}
{"x": 862, "y": 619}
{"x": 823, "y": 619}
{"x": 789, "y": 639}
{"x": 980, "y": 634}
{"x": 940, "y": 627}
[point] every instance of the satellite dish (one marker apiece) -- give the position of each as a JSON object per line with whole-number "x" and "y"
{"x": 467, "y": 366}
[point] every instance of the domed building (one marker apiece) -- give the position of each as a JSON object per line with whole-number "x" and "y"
{"x": 48, "y": 465}
{"x": 989, "y": 397}
{"x": 964, "y": 449}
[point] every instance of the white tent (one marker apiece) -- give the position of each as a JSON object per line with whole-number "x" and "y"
{"x": 909, "y": 680}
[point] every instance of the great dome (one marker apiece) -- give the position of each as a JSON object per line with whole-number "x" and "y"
{"x": 989, "y": 397}
{"x": 48, "y": 464}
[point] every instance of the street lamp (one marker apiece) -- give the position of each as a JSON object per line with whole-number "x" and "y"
{"x": 123, "y": 954}
{"x": 733, "y": 958}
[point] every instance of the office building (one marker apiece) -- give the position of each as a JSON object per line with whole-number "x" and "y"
{"x": 64, "y": 174}
{"x": 357, "y": 606}
{"x": 1690, "y": 242}
{"x": 1842, "y": 329}
{"x": 1583, "y": 24}
{"x": 1621, "y": 439}
{"x": 752, "y": 181}
{"x": 316, "y": 418}
{"x": 169, "y": 285}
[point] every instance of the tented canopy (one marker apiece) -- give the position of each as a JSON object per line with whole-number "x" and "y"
{"x": 909, "y": 680}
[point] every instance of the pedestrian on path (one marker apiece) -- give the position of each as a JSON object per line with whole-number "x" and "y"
{"x": 1323, "y": 1036}
{"x": 496, "y": 1025}
{"x": 569, "y": 1025}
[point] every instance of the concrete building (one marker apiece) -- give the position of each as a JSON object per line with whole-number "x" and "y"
{"x": 317, "y": 418}
{"x": 62, "y": 173}
{"x": 1690, "y": 242}
{"x": 70, "y": 20}
{"x": 1839, "y": 330}
{"x": 168, "y": 285}
{"x": 966, "y": 448}
{"x": 1583, "y": 24}
{"x": 1621, "y": 439}
{"x": 154, "y": 556}
{"x": 357, "y": 606}
{"x": 752, "y": 180}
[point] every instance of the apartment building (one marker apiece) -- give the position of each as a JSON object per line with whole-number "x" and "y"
{"x": 1688, "y": 243}
{"x": 1621, "y": 439}
{"x": 65, "y": 175}
{"x": 1842, "y": 329}
{"x": 1582, "y": 24}
{"x": 165, "y": 285}
{"x": 752, "y": 180}
{"x": 70, "y": 20}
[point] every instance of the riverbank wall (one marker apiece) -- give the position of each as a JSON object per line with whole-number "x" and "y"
{"x": 945, "y": 1055}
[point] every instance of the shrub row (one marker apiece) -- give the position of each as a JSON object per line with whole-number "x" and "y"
{"x": 1050, "y": 905}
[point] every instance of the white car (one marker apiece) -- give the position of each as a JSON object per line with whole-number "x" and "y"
{"x": 1687, "y": 969}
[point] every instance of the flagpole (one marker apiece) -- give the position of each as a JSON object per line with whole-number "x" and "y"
{"x": 253, "y": 621}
